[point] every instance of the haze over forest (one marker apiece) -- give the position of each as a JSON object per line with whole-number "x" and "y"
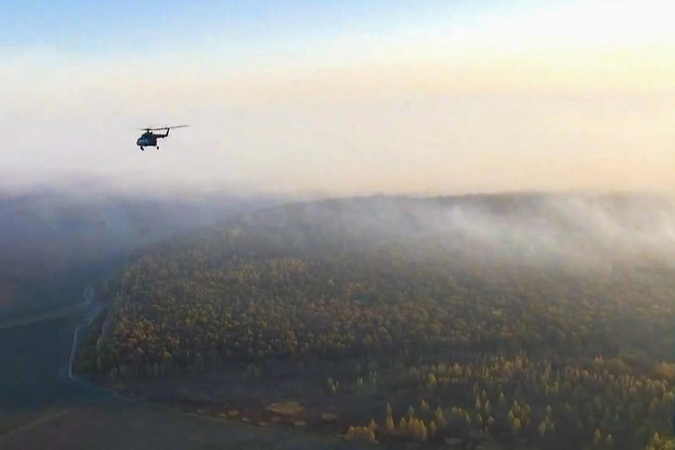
{"x": 56, "y": 237}
{"x": 444, "y": 222}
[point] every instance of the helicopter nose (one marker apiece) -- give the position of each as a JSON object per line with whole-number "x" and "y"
{"x": 139, "y": 141}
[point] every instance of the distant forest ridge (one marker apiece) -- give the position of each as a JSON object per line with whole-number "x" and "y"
{"x": 617, "y": 206}
{"x": 47, "y": 236}
{"x": 521, "y": 224}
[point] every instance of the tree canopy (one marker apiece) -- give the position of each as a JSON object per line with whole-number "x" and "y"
{"x": 466, "y": 337}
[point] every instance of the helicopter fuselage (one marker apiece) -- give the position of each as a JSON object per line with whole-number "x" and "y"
{"x": 149, "y": 139}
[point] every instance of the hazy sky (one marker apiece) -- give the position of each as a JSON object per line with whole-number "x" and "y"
{"x": 341, "y": 97}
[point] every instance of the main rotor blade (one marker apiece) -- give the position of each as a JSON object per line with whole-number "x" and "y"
{"x": 163, "y": 128}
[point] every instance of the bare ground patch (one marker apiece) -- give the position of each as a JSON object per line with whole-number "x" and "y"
{"x": 285, "y": 397}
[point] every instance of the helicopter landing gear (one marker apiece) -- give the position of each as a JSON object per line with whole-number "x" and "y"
{"x": 142, "y": 149}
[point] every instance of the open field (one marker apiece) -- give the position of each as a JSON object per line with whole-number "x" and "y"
{"x": 143, "y": 427}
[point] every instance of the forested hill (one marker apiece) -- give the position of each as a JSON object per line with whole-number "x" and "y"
{"x": 520, "y": 227}
{"x": 515, "y": 318}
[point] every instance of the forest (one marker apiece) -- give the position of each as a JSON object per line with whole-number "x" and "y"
{"x": 506, "y": 321}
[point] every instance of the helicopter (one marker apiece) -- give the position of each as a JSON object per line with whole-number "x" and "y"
{"x": 149, "y": 139}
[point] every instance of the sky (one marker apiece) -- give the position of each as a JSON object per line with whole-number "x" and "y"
{"x": 340, "y": 98}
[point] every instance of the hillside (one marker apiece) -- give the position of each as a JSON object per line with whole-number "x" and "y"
{"x": 507, "y": 320}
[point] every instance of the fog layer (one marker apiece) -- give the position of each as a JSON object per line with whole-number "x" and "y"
{"x": 571, "y": 229}
{"x": 55, "y": 240}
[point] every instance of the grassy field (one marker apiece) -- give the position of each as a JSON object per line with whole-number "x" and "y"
{"x": 145, "y": 427}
